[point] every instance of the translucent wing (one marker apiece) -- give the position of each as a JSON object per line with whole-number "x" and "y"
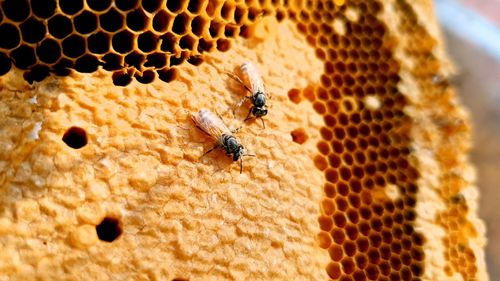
{"x": 211, "y": 124}
{"x": 253, "y": 78}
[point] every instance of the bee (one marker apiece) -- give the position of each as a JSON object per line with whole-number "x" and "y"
{"x": 214, "y": 126}
{"x": 253, "y": 83}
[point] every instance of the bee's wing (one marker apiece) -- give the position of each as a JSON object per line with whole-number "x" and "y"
{"x": 211, "y": 125}
{"x": 253, "y": 77}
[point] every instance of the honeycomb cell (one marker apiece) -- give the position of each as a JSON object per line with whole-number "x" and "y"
{"x": 86, "y": 64}
{"x": 147, "y": 42}
{"x": 162, "y": 21}
{"x": 151, "y": 6}
{"x": 121, "y": 78}
{"x": 43, "y": 8}
{"x": 112, "y": 62}
{"x": 100, "y": 5}
{"x": 36, "y": 73}
{"x": 176, "y": 6}
{"x": 135, "y": 59}
{"x": 168, "y": 75}
{"x": 71, "y": 7}
{"x": 60, "y": 26}
{"x": 181, "y": 22}
{"x": 146, "y": 77}
{"x": 137, "y": 20}
{"x": 73, "y": 46}
{"x": 16, "y": 10}
{"x": 123, "y": 42}
{"x": 111, "y": 21}
{"x": 10, "y": 36}
{"x": 85, "y": 22}
{"x": 5, "y": 64}
{"x": 48, "y": 51}
{"x": 99, "y": 43}
{"x": 23, "y": 57}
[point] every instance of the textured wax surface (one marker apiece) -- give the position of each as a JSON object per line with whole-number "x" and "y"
{"x": 365, "y": 139}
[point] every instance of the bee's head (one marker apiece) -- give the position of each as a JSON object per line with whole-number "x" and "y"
{"x": 259, "y": 111}
{"x": 234, "y": 148}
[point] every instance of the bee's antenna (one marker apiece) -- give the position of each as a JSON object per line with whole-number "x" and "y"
{"x": 263, "y": 124}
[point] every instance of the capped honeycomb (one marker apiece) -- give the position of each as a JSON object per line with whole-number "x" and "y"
{"x": 391, "y": 179}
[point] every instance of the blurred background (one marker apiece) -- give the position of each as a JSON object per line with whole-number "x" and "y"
{"x": 472, "y": 30}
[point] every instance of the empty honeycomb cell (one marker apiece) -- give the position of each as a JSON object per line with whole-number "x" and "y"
{"x": 137, "y": 20}
{"x": 348, "y": 265}
{"x": 43, "y": 8}
{"x": 146, "y": 77}
{"x": 100, "y": 5}
{"x": 75, "y": 137}
{"x": 121, "y": 78}
{"x": 85, "y": 22}
{"x": 176, "y": 6}
{"x": 60, "y": 26}
{"x": 36, "y": 74}
{"x": 333, "y": 270}
{"x": 86, "y": 64}
{"x": 109, "y": 229}
{"x": 151, "y": 6}
{"x": 123, "y": 42}
{"x": 62, "y": 67}
{"x": 199, "y": 25}
{"x": 187, "y": 42}
{"x": 48, "y": 51}
{"x": 73, "y": 46}
{"x": 223, "y": 45}
{"x": 181, "y": 23}
{"x": 168, "y": 42}
{"x": 112, "y": 61}
{"x": 227, "y": 11}
{"x": 111, "y": 21}
{"x": 231, "y": 31}
{"x": 10, "y": 36}
{"x": 324, "y": 240}
{"x": 168, "y": 75}
{"x": 162, "y": 21}
{"x": 135, "y": 59}
{"x": 23, "y": 57}
{"x": 195, "y": 60}
{"x": 157, "y": 60}
{"x": 99, "y": 43}
{"x": 16, "y": 10}
{"x": 5, "y": 64}
{"x": 71, "y": 7}
{"x": 147, "y": 42}
{"x": 32, "y": 30}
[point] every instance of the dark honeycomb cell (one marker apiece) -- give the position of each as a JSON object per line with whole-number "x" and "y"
{"x": 151, "y": 6}
{"x": 48, "y": 51}
{"x": 157, "y": 60}
{"x": 23, "y": 57}
{"x": 181, "y": 23}
{"x": 36, "y": 74}
{"x": 223, "y": 45}
{"x": 43, "y": 8}
{"x": 168, "y": 75}
{"x": 109, "y": 229}
{"x": 147, "y": 42}
{"x": 60, "y": 26}
{"x": 112, "y": 62}
{"x": 73, "y": 46}
{"x": 86, "y": 64}
{"x": 99, "y": 43}
{"x": 187, "y": 42}
{"x": 162, "y": 21}
{"x": 63, "y": 67}
{"x": 168, "y": 42}
{"x": 126, "y": 5}
{"x": 198, "y": 25}
{"x": 195, "y": 60}
{"x": 137, "y": 20}
{"x": 146, "y": 77}
{"x": 111, "y": 21}
{"x": 10, "y": 36}
{"x": 195, "y": 6}
{"x": 85, "y": 22}
{"x": 101, "y": 5}
{"x": 16, "y": 10}
{"x": 71, "y": 7}
{"x": 5, "y": 64}
{"x": 175, "y": 6}
{"x": 121, "y": 78}
{"x": 33, "y": 30}
{"x": 135, "y": 59}
{"x": 123, "y": 42}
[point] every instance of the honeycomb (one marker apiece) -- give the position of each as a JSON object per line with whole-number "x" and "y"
{"x": 373, "y": 183}
{"x": 140, "y": 39}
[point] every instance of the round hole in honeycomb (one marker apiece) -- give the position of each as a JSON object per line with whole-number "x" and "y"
{"x": 75, "y": 137}
{"x": 111, "y": 21}
{"x": 16, "y": 10}
{"x": 109, "y": 229}
{"x": 157, "y": 60}
{"x": 126, "y": 5}
{"x": 168, "y": 42}
{"x": 168, "y": 75}
{"x": 85, "y": 22}
{"x": 86, "y": 64}
{"x": 33, "y": 30}
{"x": 62, "y": 67}
{"x": 60, "y": 26}
{"x": 135, "y": 59}
{"x": 146, "y": 77}
{"x": 147, "y": 42}
{"x": 37, "y": 73}
{"x": 231, "y": 31}
{"x": 123, "y": 42}
{"x": 73, "y": 46}
{"x": 195, "y": 6}
{"x": 151, "y": 6}
{"x": 227, "y": 11}
{"x": 175, "y": 6}
{"x": 195, "y": 60}
{"x": 187, "y": 42}
{"x": 223, "y": 45}
{"x": 99, "y": 5}
{"x": 112, "y": 61}
{"x": 48, "y": 51}
{"x": 198, "y": 25}
{"x": 10, "y": 36}
{"x": 137, "y": 20}
{"x": 121, "y": 78}
{"x": 71, "y": 7}
{"x": 333, "y": 270}
{"x": 23, "y": 57}
{"x": 99, "y": 43}
{"x": 162, "y": 21}
{"x": 181, "y": 23}
{"x": 43, "y": 8}
{"x": 176, "y": 60}
{"x": 5, "y": 63}
{"x": 299, "y": 136}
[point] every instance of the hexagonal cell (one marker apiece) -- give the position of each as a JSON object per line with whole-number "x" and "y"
{"x": 43, "y": 8}
{"x": 162, "y": 21}
{"x": 60, "y": 26}
{"x": 71, "y": 7}
{"x": 137, "y": 20}
{"x": 73, "y": 46}
{"x": 126, "y": 5}
{"x": 10, "y": 35}
{"x": 23, "y": 57}
{"x": 16, "y": 10}
{"x": 111, "y": 21}
{"x": 5, "y": 63}
{"x": 123, "y": 42}
{"x": 85, "y": 22}
{"x": 101, "y": 5}
{"x": 99, "y": 43}
{"x": 48, "y": 51}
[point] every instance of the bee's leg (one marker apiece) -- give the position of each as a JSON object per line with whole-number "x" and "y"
{"x": 248, "y": 115}
{"x": 210, "y": 150}
{"x": 241, "y": 165}
{"x": 263, "y": 124}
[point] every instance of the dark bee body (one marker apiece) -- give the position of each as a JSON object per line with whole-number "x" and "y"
{"x": 213, "y": 126}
